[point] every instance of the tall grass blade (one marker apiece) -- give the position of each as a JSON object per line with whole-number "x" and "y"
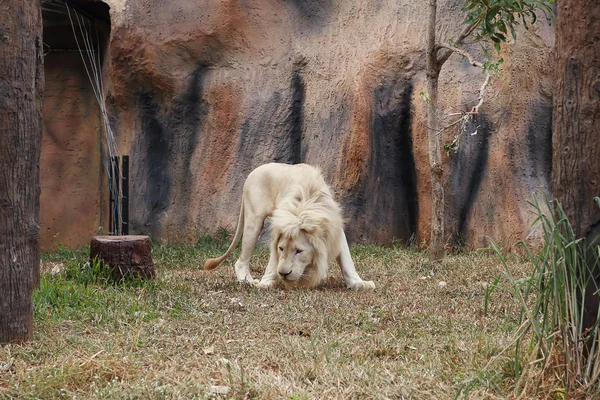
{"x": 556, "y": 354}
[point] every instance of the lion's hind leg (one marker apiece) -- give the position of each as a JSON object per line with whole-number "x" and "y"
{"x": 252, "y": 229}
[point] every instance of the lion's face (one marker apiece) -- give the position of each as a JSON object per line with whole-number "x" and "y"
{"x": 295, "y": 257}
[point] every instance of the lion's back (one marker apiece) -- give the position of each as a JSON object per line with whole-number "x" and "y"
{"x": 280, "y": 179}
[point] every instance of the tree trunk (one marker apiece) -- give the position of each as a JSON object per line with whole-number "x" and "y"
{"x": 576, "y": 119}
{"x": 126, "y": 256}
{"x": 436, "y": 245}
{"x": 21, "y": 96}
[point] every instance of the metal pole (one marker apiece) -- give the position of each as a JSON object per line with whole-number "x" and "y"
{"x": 111, "y": 199}
{"x": 125, "y": 197}
{"x": 117, "y": 177}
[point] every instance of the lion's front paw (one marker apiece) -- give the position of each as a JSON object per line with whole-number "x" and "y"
{"x": 249, "y": 280}
{"x": 362, "y": 285}
{"x": 266, "y": 284}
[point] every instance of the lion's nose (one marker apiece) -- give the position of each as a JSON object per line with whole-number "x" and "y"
{"x": 284, "y": 275}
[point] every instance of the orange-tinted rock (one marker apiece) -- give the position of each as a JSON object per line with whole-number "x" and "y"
{"x": 202, "y": 92}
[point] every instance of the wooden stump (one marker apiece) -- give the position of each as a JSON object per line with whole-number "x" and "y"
{"x": 126, "y": 256}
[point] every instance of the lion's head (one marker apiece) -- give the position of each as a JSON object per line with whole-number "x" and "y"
{"x": 306, "y": 232}
{"x": 295, "y": 258}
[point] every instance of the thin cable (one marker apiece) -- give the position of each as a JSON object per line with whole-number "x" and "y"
{"x": 94, "y": 75}
{"x": 96, "y": 83}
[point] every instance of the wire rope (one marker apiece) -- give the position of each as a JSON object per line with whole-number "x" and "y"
{"x": 94, "y": 75}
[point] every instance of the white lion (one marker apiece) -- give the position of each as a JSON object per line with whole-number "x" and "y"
{"x": 307, "y": 228}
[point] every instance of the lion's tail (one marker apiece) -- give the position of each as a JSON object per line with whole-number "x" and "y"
{"x": 213, "y": 263}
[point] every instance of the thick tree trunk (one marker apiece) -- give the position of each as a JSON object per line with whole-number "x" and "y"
{"x": 21, "y": 92}
{"x": 576, "y": 119}
{"x": 436, "y": 245}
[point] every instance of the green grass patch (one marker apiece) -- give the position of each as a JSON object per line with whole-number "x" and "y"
{"x": 191, "y": 333}
{"x": 554, "y": 354}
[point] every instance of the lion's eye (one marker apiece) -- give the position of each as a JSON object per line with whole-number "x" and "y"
{"x": 280, "y": 248}
{"x": 299, "y": 251}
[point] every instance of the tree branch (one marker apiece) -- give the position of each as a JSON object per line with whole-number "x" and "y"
{"x": 475, "y": 109}
{"x": 431, "y": 50}
{"x": 474, "y": 63}
{"x": 463, "y": 35}
{"x": 463, "y": 53}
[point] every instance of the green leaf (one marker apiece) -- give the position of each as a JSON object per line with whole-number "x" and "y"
{"x": 497, "y": 46}
{"x": 489, "y": 16}
{"x": 512, "y": 31}
{"x": 487, "y": 27}
{"x": 451, "y": 146}
{"x": 501, "y": 26}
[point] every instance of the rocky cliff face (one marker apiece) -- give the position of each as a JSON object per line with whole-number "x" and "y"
{"x": 202, "y": 92}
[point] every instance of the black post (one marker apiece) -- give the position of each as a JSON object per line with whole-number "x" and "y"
{"x": 125, "y": 197}
{"x": 117, "y": 176}
{"x": 111, "y": 198}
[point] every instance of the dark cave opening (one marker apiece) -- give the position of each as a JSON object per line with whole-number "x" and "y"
{"x": 71, "y": 163}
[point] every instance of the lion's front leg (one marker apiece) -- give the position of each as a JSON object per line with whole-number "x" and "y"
{"x": 270, "y": 277}
{"x": 353, "y": 280}
{"x": 243, "y": 274}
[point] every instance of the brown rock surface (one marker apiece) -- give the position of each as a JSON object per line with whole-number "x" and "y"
{"x": 202, "y": 92}
{"x": 70, "y": 159}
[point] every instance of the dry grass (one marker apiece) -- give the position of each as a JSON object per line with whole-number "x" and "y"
{"x": 197, "y": 334}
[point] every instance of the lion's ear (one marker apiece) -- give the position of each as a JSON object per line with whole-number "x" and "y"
{"x": 311, "y": 226}
{"x": 307, "y": 226}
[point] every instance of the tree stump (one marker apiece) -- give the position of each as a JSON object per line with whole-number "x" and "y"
{"x": 126, "y": 256}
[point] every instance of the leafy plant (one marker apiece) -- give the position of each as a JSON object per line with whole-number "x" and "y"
{"x": 492, "y": 19}
{"x": 486, "y": 22}
{"x": 554, "y": 353}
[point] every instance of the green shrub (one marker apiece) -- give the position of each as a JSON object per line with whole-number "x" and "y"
{"x": 553, "y": 354}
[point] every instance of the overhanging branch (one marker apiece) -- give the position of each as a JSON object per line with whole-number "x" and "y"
{"x": 463, "y": 35}
{"x": 463, "y": 53}
{"x": 475, "y": 63}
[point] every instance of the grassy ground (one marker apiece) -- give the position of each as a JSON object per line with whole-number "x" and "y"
{"x": 197, "y": 334}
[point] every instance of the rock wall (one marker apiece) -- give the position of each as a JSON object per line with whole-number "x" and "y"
{"x": 71, "y": 158}
{"x": 201, "y": 92}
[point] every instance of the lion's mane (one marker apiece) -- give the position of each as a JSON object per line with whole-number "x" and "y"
{"x": 310, "y": 208}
